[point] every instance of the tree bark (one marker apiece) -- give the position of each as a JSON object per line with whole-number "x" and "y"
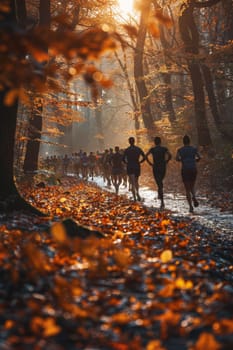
{"x": 190, "y": 36}
{"x": 99, "y": 126}
{"x": 10, "y": 199}
{"x": 132, "y": 92}
{"x": 139, "y": 71}
{"x": 167, "y": 77}
{"x": 21, "y": 12}
{"x": 34, "y": 134}
{"x": 228, "y": 7}
{"x": 35, "y": 122}
{"x": 7, "y": 134}
{"x": 210, "y": 91}
{"x": 203, "y": 133}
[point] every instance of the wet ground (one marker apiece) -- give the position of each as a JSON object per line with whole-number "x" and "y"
{"x": 213, "y": 218}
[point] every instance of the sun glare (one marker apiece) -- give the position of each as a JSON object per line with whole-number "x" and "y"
{"x": 126, "y": 6}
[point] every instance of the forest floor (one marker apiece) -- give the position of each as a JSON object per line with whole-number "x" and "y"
{"x": 102, "y": 272}
{"x": 215, "y": 188}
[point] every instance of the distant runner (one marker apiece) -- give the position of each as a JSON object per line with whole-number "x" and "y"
{"x": 117, "y": 168}
{"x": 133, "y": 156}
{"x": 188, "y": 156}
{"x": 161, "y": 157}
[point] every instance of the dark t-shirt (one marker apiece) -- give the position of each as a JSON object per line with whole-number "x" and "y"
{"x": 116, "y": 161}
{"x": 159, "y": 155}
{"x": 188, "y": 155}
{"x": 131, "y": 156}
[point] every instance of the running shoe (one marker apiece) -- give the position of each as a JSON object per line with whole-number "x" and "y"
{"x": 195, "y": 202}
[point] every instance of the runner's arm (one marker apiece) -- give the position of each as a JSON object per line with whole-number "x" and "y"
{"x": 178, "y": 157}
{"x": 124, "y": 158}
{"x": 143, "y": 156}
{"x": 169, "y": 156}
{"x": 197, "y": 156}
{"x": 147, "y": 159}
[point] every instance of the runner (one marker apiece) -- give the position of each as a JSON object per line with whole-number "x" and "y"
{"x": 106, "y": 166}
{"x": 65, "y": 164}
{"x": 117, "y": 168}
{"x": 188, "y": 156}
{"x": 92, "y": 164}
{"x": 76, "y": 164}
{"x": 84, "y": 166}
{"x": 131, "y": 157}
{"x": 161, "y": 157}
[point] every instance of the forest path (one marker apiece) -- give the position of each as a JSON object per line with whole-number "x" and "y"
{"x": 211, "y": 217}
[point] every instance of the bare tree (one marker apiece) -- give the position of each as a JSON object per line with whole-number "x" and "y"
{"x": 139, "y": 69}
{"x": 200, "y": 73}
{"x": 35, "y": 120}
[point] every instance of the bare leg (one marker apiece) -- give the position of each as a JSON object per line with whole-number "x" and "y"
{"x": 159, "y": 174}
{"x": 137, "y": 188}
{"x": 159, "y": 182}
{"x": 119, "y": 180}
{"x": 188, "y": 195}
{"x": 132, "y": 182}
{"x": 195, "y": 202}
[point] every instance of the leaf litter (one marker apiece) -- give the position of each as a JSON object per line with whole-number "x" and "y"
{"x": 103, "y": 272}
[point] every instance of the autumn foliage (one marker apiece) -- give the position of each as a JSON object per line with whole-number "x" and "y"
{"x": 134, "y": 279}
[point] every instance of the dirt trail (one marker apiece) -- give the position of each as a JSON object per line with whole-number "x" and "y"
{"x": 205, "y": 214}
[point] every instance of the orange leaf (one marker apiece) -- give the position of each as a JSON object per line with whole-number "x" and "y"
{"x": 50, "y": 327}
{"x": 63, "y": 199}
{"x": 58, "y": 232}
{"x": 224, "y": 326}
{"x": 11, "y": 97}
{"x": 131, "y": 30}
{"x": 206, "y": 341}
{"x": 154, "y": 345}
{"x": 122, "y": 257}
{"x": 182, "y": 284}
{"x": 154, "y": 29}
{"x": 166, "y": 256}
{"x": 9, "y": 324}
{"x": 121, "y": 317}
{"x": 167, "y": 291}
{"x": 163, "y": 18}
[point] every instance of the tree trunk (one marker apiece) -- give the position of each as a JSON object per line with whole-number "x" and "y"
{"x": 132, "y": 93}
{"x": 139, "y": 71}
{"x": 10, "y": 198}
{"x": 7, "y": 134}
{"x": 228, "y": 7}
{"x": 167, "y": 78}
{"x": 190, "y": 37}
{"x": 99, "y": 126}
{"x": 35, "y": 123}
{"x": 210, "y": 91}
{"x": 34, "y": 134}
{"x": 45, "y": 15}
{"x": 203, "y": 133}
{"x": 21, "y": 12}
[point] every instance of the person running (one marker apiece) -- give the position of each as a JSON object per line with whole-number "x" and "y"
{"x": 92, "y": 164}
{"x": 188, "y": 156}
{"x": 117, "y": 168}
{"x": 161, "y": 157}
{"x": 84, "y": 166}
{"x": 76, "y": 163}
{"x": 106, "y": 166}
{"x": 133, "y": 156}
{"x": 65, "y": 164}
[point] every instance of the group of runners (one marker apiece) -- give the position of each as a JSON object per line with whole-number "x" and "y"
{"x": 87, "y": 165}
{"x": 123, "y": 167}
{"x": 158, "y": 157}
